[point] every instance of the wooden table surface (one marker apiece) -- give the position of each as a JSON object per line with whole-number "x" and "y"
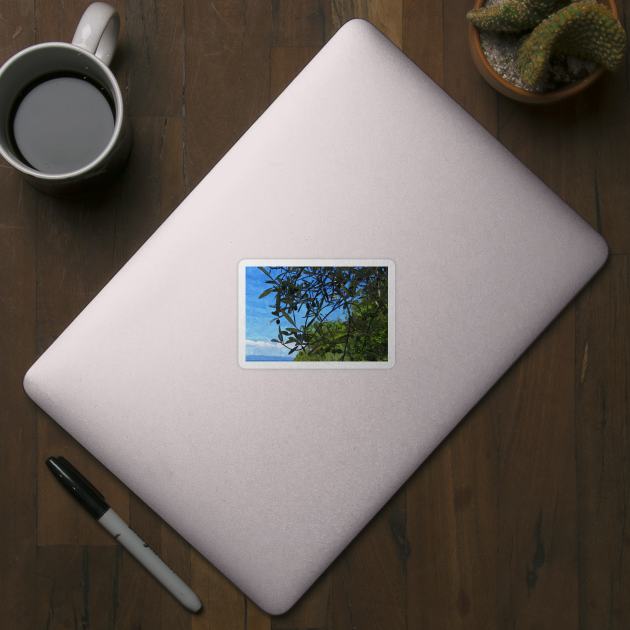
{"x": 518, "y": 520}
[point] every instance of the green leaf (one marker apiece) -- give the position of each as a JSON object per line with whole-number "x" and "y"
{"x": 264, "y": 271}
{"x": 337, "y": 341}
{"x": 275, "y": 340}
{"x": 288, "y": 317}
{"x": 267, "y": 292}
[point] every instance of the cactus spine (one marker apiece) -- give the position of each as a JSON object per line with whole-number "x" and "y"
{"x": 583, "y": 29}
{"x": 513, "y": 16}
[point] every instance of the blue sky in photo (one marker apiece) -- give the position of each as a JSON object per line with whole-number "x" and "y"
{"x": 258, "y": 331}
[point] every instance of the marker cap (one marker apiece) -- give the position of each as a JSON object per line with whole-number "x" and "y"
{"x": 78, "y": 486}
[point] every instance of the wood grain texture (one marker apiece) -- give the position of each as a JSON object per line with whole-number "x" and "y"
{"x": 386, "y": 15}
{"x": 285, "y": 64}
{"x": 151, "y": 187}
{"x": 574, "y": 150}
{"x": 226, "y": 78}
{"x": 461, "y": 79}
{"x": 313, "y": 609}
{"x": 602, "y": 381}
{"x": 76, "y": 587}
{"x": 537, "y": 509}
{"x": 224, "y": 606}
{"x": 18, "y": 416}
{"x": 300, "y": 22}
{"x": 422, "y": 36}
{"x": 154, "y": 57}
{"x": 519, "y": 519}
{"x": 369, "y": 577}
{"x": 452, "y": 516}
{"x": 609, "y": 134}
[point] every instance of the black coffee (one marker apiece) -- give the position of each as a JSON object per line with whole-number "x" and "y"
{"x": 61, "y": 123}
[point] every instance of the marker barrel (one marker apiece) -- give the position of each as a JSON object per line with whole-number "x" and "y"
{"x": 149, "y": 559}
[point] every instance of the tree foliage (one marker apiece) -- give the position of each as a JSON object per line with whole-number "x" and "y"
{"x": 307, "y": 297}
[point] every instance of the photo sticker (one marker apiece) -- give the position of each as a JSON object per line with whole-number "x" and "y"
{"x": 314, "y": 314}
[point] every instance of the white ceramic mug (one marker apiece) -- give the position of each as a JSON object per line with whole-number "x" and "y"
{"x": 88, "y": 57}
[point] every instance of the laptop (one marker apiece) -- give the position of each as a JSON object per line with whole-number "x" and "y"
{"x": 181, "y": 379}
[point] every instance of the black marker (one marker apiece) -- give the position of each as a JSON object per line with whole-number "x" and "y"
{"x": 94, "y": 502}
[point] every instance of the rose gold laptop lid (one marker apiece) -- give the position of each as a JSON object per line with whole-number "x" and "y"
{"x": 268, "y": 470}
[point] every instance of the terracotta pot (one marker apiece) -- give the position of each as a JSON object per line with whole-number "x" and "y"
{"x": 518, "y": 94}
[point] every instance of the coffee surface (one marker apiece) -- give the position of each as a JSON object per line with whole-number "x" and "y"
{"x": 62, "y": 124}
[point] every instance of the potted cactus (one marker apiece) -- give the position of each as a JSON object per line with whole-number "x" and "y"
{"x": 558, "y": 49}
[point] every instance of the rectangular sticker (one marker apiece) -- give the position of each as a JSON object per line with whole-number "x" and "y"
{"x": 315, "y": 314}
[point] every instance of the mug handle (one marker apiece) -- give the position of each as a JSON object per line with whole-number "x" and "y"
{"x": 98, "y": 30}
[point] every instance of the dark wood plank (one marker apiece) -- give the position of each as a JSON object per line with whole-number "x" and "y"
{"x": 76, "y": 587}
{"x": 152, "y": 185}
{"x": 312, "y": 611}
{"x": 226, "y": 78}
{"x": 255, "y": 618}
{"x": 154, "y": 57}
{"x": 422, "y": 36}
{"x": 17, "y": 28}
{"x": 537, "y": 537}
{"x": 461, "y": 78}
{"x": 74, "y": 246}
{"x": 558, "y": 147}
{"x": 18, "y": 416}
{"x": 369, "y": 577}
{"x": 18, "y": 423}
{"x": 603, "y": 443}
{"x": 171, "y": 159}
{"x": 452, "y": 527}
{"x": 224, "y": 606}
{"x": 285, "y": 64}
{"x": 57, "y": 23}
{"x": 386, "y": 15}
{"x": 608, "y": 136}
{"x": 300, "y": 22}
